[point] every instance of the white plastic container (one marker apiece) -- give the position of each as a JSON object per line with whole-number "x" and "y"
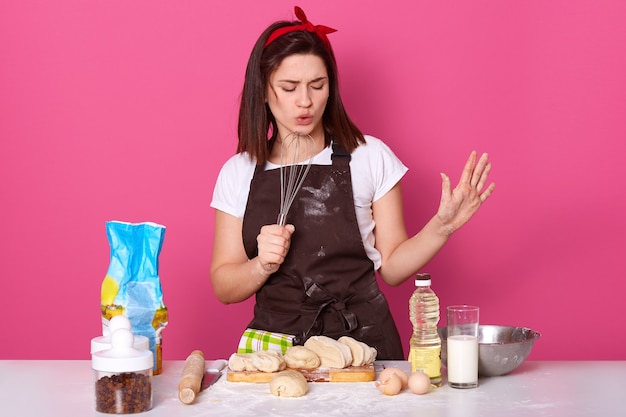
{"x": 123, "y": 376}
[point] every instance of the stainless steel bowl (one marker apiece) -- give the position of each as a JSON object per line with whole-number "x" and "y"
{"x": 500, "y": 348}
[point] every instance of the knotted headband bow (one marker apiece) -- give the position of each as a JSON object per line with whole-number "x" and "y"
{"x": 320, "y": 30}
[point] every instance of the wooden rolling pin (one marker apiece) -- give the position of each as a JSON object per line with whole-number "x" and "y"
{"x": 191, "y": 380}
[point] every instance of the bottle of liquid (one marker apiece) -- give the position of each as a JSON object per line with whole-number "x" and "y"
{"x": 425, "y": 345}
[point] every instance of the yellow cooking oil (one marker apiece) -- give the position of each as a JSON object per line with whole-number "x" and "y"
{"x": 425, "y": 344}
{"x": 159, "y": 322}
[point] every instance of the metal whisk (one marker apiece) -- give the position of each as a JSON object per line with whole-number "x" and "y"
{"x": 299, "y": 150}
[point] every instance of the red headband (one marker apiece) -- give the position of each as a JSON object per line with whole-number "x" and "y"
{"x": 320, "y": 30}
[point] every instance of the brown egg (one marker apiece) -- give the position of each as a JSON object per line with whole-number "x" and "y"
{"x": 385, "y": 373}
{"x": 392, "y": 385}
{"x": 419, "y": 383}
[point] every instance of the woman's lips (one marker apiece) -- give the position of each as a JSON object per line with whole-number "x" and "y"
{"x": 304, "y": 120}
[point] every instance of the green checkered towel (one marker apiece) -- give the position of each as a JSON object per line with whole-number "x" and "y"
{"x": 254, "y": 340}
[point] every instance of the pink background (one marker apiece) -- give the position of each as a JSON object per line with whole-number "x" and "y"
{"x": 126, "y": 110}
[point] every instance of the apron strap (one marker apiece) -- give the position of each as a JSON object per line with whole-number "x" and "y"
{"x": 321, "y": 298}
{"x": 340, "y": 156}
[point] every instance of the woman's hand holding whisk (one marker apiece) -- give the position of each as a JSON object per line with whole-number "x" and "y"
{"x": 273, "y": 245}
{"x": 458, "y": 205}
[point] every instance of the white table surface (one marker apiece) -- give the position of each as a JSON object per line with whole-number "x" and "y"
{"x": 568, "y": 389}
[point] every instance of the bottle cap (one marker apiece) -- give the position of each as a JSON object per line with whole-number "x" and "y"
{"x": 122, "y": 357}
{"x": 422, "y": 280}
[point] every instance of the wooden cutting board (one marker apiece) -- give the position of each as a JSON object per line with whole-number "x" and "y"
{"x": 350, "y": 374}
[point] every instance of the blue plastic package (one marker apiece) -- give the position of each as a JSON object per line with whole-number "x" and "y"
{"x": 132, "y": 286}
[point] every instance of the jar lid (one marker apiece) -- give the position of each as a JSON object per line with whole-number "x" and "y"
{"x": 117, "y": 322}
{"x": 122, "y": 357}
{"x": 422, "y": 280}
{"x": 104, "y": 343}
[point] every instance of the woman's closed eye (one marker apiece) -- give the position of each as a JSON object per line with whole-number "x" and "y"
{"x": 292, "y": 89}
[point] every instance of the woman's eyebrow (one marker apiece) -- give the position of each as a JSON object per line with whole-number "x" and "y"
{"x": 322, "y": 78}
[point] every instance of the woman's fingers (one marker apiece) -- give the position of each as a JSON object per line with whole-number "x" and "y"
{"x": 458, "y": 205}
{"x": 484, "y": 175}
{"x": 485, "y": 194}
{"x": 468, "y": 169}
{"x": 446, "y": 188}
{"x": 478, "y": 170}
{"x": 273, "y": 244}
{"x": 475, "y": 173}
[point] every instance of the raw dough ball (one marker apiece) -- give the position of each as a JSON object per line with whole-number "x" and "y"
{"x": 268, "y": 361}
{"x": 289, "y": 383}
{"x": 241, "y": 362}
{"x": 300, "y": 357}
{"x": 362, "y": 354}
{"x": 332, "y": 353}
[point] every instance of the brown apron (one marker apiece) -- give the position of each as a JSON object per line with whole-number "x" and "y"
{"x": 327, "y": 284}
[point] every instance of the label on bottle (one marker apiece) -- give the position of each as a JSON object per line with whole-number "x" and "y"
{"x": 427, "y": 360}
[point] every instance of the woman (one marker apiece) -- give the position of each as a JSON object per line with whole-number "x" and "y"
{"x": 315, "y": 275}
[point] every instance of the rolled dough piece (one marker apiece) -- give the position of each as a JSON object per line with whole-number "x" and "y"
{"x": 300, "y": 357}
{"x": 289, "y": 383}
{"x": 241, "y": 362}
{"x": 268, "y": 361}
{"x": 332, "y": 353}
{"x": 362, "y": 353}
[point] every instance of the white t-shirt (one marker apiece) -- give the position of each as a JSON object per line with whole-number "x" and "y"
{"x": 374, "y": 168}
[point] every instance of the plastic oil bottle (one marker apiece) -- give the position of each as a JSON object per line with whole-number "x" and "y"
{"x": 425, "y": 345}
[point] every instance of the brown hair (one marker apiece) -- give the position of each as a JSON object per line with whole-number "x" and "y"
{"x": 257, "y": 128}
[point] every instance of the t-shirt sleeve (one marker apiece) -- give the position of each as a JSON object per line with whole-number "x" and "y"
{"x": 230, "y": 194}
{"x": 388, "y": 169}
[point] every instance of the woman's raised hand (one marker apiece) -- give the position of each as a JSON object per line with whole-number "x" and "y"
{"x": 458, "y": 205}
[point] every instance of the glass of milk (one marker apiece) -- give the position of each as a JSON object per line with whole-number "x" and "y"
{"x": 462, "y": 348}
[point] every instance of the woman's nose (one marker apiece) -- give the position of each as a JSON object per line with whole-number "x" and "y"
{"x": 304, "y": 99}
